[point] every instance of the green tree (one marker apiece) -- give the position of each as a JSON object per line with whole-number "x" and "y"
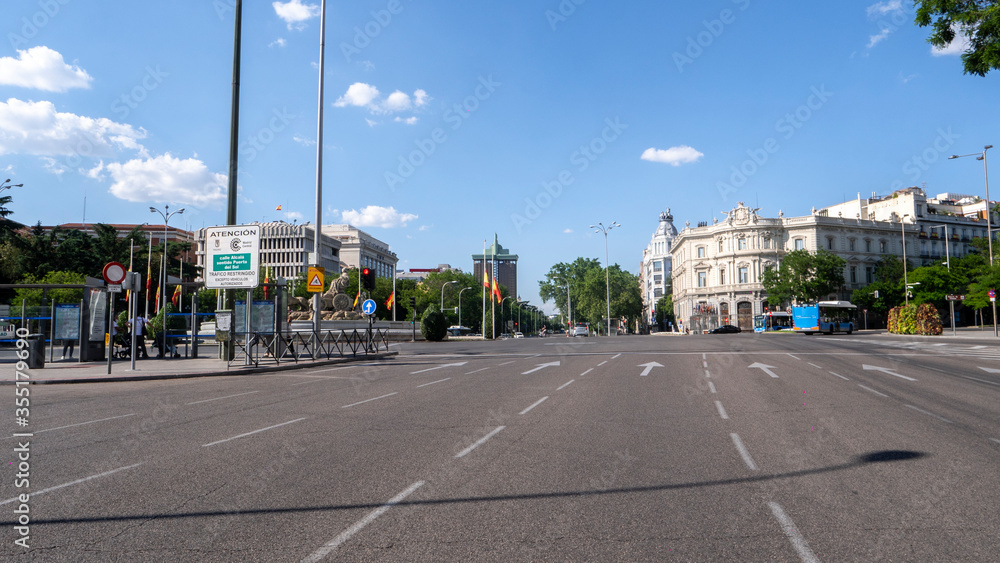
{"x": 665, "y": 311}
{"x": 804, "y": 277}
{"x": 35, "y": 297}
{"x": 979, "y": 20}
{"x": 433, "y": 325}
{"x": 553, "y": 287}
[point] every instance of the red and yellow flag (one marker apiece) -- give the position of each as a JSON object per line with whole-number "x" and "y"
{"x": 267, "y": 278}
{"x": 358, "y": 296}
{"x": 390, "y": 300}
{"x": 157, "y": 301}
{"x": 496, "y": 291}
{"x": 176, "y": 297}
{"x": 486, "y": 280}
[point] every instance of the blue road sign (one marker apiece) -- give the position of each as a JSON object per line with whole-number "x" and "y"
{"x": 368, "y": 307}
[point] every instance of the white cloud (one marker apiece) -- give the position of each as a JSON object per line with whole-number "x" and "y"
{"x": 279, "y": 42}
{"x": 959, "y": 45}
{"x": 674, "y": 156}
{"x": 37, "y": 128}
{"x": 375, "y": 216}
{"x": 409, "y": 120}
{"x": 358, "y": 94}
{"x": 295, "y": 13}
{"x": 167, "y": 179}
{"x": 371, "y": 122}
{"x": 883, "y": 8}
{"x": 367, "y": 96}
{"x": 568, "y": 231}
{"x": 874, "y": 40}
{"x": 304, "y": 141}
{"x": 294, "y": 216}
{"x": 43, "y": 69}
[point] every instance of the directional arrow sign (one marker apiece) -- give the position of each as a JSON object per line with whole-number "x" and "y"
{"x": 649, "y": 367}
{"x": 439, "y": 367}
{"x": 867, "y": 367}
{"x": 990, "y": 370}
{"x": 540, "y": 366}
{"x": 765, "y": 368}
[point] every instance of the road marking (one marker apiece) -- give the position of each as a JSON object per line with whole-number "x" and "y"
{"x": 840, "y": 376}
{"x": 764, "y": 368}
{"x": 541, "y": 366}
{"x": 565, "y": 384}
{"x": 78, "y": 481}
{"x": 82, "y": 423}
{"x": 615, "y": 356}
{"x": 324, "y": 378}
{"x": 440, "y": 367}
{"x": 505, "y": 363}
{"x": 704, "y": 364}
{"x": 872, "y": 390}
{"x": 995, "y": 440}
{"x": 586, "y": 372}
{"x": 335, "y": 369}
{"x": 433, "y": 382}
{"x": 708, "y": 373}
{"x": 722, "y": 411}
{"x": 990, "y": 370}
{"x": 814, "y": 365}
{"x": 744, "y": 453}
{"x": 535, "y": 404}
{"x": 711, "y": 387}
{"x": 369, "y": 400}
{"x": 649, "y": 367}
{"x": 980, "y": 380}
{"x": 602, "y": 363}
{"x": 253, "y": 432}
{"x": 226, "y": 397}
{"x": 798, "y": 542}
{"x": 477, "y": 371}
{"x": 480, "y": 442}
{"x": 793, "y": 357}
{"x": 704, "y": 356}
{"x": 331, "y": 545}
{"x": 930, "y": 414}
{"x": 867, "y": 367}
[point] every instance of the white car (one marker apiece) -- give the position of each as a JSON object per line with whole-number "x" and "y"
{"x": 518, "y": 335}
{"x": 581, "y": 331}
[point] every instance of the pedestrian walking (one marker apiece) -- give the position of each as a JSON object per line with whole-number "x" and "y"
{"x": 138, "y": 324}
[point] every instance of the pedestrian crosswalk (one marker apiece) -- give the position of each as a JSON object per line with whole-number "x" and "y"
{"x": 947, "y": 349}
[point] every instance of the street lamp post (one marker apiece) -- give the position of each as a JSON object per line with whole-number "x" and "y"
{"x": 460, "y": 305}
{"x": 445, "y": 284}
{"x": 6, "y": 185}
{"x": 166, "y": 214}
{"x": 902, "y": 230}
{"x": 600, "y": 228}
{"x": 989, "y": 214}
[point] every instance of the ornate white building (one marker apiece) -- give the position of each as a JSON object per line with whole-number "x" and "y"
{"x": 654, "y": 274}
{"x": 717, "y": 268}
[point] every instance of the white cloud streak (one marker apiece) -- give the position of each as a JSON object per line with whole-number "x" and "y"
{"x": 375, "y": 216}
{"x": 42, "y": 68}
{"x": 674, "y": 156}
{"x": 294, "y": 13}
{"x": 167, "y": 179}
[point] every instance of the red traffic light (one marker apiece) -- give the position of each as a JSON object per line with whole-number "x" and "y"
{"x": 365, "y": 271}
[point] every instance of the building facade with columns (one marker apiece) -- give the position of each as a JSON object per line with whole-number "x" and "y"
{"x": 717, "y": 268}
{"x": 362, "y": 250}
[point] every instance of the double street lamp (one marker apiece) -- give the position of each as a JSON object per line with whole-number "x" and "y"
{"x": 989, "y": 213}
{"x": 600, "y": 228}
{"x": 166, "y": 214}
{"x": 446, "y": 284}
{"x": 6, "y": 185}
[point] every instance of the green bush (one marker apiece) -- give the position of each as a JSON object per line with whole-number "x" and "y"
{"x": 433, "y": 325}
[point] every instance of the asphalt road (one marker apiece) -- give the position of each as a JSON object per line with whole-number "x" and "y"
{"x": 697, "y": 448}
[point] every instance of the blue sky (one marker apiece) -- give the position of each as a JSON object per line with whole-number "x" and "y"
{"x": 447, "y": 121}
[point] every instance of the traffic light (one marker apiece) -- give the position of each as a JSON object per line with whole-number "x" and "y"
{"x": 413, "y": 303}
{"x": 368, "y": 278}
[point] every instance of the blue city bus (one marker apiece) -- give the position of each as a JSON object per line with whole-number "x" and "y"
{"x": 827, "y": 317}
{"x": 772, "y": 320}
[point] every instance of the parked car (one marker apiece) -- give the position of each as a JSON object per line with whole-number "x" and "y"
{"x": 518, "y": 335}
{"x": 725, "y": 329}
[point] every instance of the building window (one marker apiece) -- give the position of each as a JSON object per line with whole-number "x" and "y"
{"x": 799, "y": 244}
{"x": 869, "y": 274}
{"x": 722, "y": 276}
{"x": 702, "y": 279}
{"x": 829, "y": 243}
{"x": 851, "y": 244}
{"x": 720, "y": 245}
{"x": 656, "y": 266}
{"x": 854, "y": 274}
{"x": 744, "y": 275}
{"x": 881, "y": 247}
{"x": 766, "y": 244}
{"x": 701, "y": 252}
{"x": 868, "y": 246}
{"x": 741, "y": 243}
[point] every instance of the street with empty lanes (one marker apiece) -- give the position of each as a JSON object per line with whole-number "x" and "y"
{"x": 692, "y": 448}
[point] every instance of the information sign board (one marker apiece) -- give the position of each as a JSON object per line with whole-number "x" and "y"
{"x": 232, "y": 257}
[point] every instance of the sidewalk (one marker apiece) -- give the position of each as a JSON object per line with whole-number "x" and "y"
{"x": 72, "y": 371}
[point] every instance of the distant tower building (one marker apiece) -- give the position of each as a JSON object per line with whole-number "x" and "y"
{"x": 656, "y": 265}
{"x": 506, "y": 266}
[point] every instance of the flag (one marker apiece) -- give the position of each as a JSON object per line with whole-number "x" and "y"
{"x": 157, "y": 301}
{"x": 267, "y": 277}
{"x": 390, "y": 300}
{"x": 486, "y": 279}
{"x": 358, "y": 296}
{"x": 149, "y": 277}
{"x": 277, "y": 208}
{"x": 176, "y": 297}
{"x": 496, "y": 291}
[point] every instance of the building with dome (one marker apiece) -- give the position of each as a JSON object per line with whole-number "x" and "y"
{"x": 654, "y": 275}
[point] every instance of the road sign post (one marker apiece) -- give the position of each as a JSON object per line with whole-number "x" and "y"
{"x": 232, "y": 261}
{"x": 951, "y": 308}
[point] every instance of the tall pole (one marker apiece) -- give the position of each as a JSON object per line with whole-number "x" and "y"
{"x": 989, "y": 218}
{"x": 906, "y": 285}
{"x": 226, "y": 297}
{"x": 600, "y": 228}
{"x": 445, "y": 284}
{"x": 149, "y": 270}
{"x": 485, "y": 287}
{"x": 317, "y": 226}
{"x": 460, "y": 305}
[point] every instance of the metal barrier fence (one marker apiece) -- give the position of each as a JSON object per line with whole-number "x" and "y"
{"x": 256, "y": 348}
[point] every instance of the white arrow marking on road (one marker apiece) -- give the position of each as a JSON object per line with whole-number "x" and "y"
{"x": 540, "y": 366}
{"x": 439, "y": 367}
{"x": 649, "y": 367}
{"x": 765, "y": 368}
{"x": 867, "y": 367}
{"x": 990, "y": 370}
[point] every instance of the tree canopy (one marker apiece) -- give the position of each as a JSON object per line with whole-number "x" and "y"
{"x": 803, "y": 277}
{"x": 977, "y": 20}
{"x": 589, "y": 290}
